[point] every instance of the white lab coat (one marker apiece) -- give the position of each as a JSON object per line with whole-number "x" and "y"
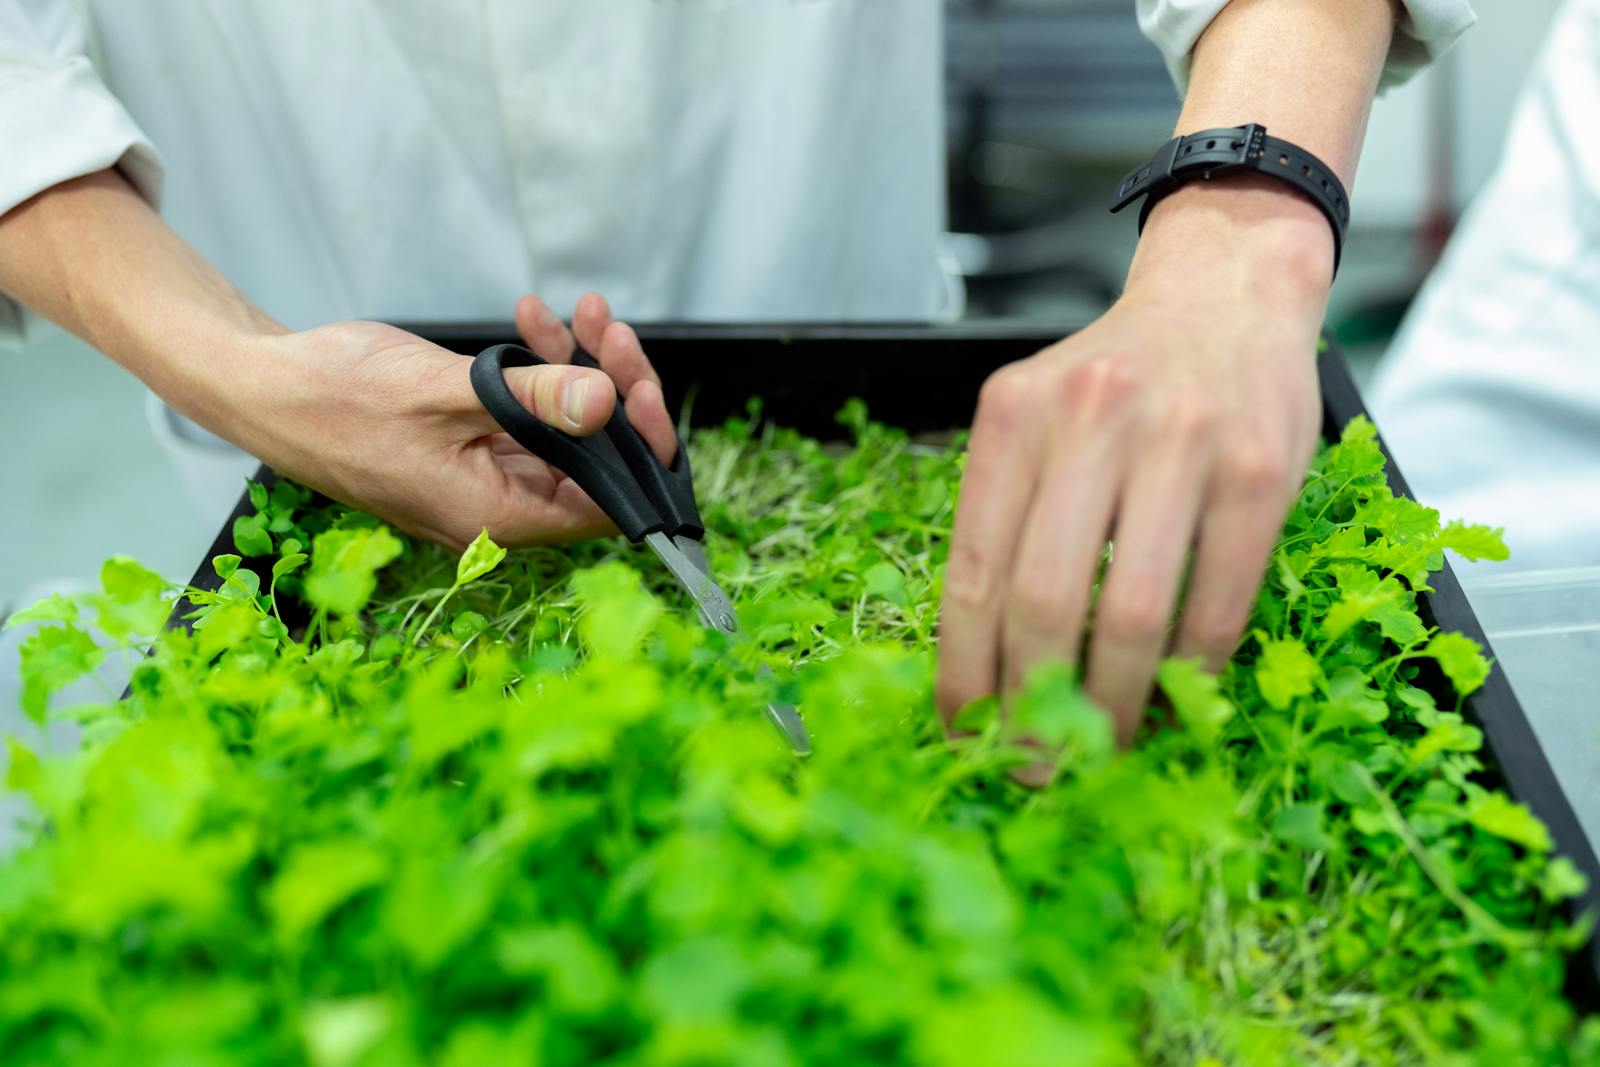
{"x": 406, "y": 159}
{"x": 1490, "y": 396}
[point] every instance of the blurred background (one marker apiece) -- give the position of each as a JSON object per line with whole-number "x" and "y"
{"x": 1049, "y": 102}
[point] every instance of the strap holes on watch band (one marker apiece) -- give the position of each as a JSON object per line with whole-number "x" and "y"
{"x": 1251, "y": 149}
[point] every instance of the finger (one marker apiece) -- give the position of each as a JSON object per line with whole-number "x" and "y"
{"x": 647, "y": 411}
{"x": 543, "y": 331}
{"x": 622, "y": 357}
{"x": 1058, "y": 557}
{"x": 1237, "y": 535}
{"x": 1002, "y": 462}
{"x": 589, "y": 321}
{"x": 575, "y": 400}
{"x": 1155, "y": 527}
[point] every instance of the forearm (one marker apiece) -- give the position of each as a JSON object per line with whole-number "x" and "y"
{"x": 91, "y": 255}
{"x": 1305, "y": 69}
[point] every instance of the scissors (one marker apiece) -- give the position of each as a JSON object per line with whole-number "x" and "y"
{"x": 648, "y": 500}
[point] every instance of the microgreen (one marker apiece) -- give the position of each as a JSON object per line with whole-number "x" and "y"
{"x": 391, "y": 807}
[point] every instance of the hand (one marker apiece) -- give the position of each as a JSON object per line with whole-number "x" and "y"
{"x": 1183, "y": 418}
{"x": 385, "y": 421}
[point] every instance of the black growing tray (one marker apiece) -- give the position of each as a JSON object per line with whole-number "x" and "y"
{"x": 926, "y": 378}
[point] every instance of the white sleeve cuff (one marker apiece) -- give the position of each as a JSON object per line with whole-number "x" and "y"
{"x": 1426, "y": 29}
{"x": 59, "y": 121}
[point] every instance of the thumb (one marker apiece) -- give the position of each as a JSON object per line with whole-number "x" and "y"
{"x": 575, "y": 400}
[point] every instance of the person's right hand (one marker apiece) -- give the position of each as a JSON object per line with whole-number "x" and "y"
{"x": 385, "y": 421}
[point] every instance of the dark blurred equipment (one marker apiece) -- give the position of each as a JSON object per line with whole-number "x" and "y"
{"x": 1048, "y": 103}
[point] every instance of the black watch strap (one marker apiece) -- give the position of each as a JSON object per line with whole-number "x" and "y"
{"x": 1237, "y": 148}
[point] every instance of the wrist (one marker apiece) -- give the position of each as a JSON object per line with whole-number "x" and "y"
{"x": 214, "y": 365}
{"x": 1247, "y": 232}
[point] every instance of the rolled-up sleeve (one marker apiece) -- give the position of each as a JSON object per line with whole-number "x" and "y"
{"x": 1425, "y": 29}
{"x": 58, "y": 120}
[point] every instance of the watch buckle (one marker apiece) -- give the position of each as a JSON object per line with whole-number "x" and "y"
{"x": 1250, "y": 144}
{"x": 1153, "y": 176}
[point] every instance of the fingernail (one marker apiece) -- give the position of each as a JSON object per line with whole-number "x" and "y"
{"x": 573, "y": 394}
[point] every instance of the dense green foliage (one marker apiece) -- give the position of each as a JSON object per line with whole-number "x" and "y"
{"x": 386, "y": 807}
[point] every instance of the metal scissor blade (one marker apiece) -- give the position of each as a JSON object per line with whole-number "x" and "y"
{"x": 686, "y": 559}
{"x": 716, "y": 610}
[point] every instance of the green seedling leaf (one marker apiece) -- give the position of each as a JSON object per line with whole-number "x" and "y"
{"x": 1196, "y": 697}
{"x": 1497, "y": 814}
{"x": 1562, "y": 880}
{"x": 1054, "y": 711}
{"x": 1474, "y": 542}
{"x": 132, "y": 601}
{"x": 54, "y": 608}
{"x": 618, "y": 610}
{"x": 250, "y": 535}
{"x": 1462, "y": 660}
{"x": 885, "y": 580}
{"x": 338, "y": 1033}
{"x": 318, "y": 877}
{"x": 468, "y": 624}
{"x": 481, "y": 557}
{"x": 1301, "y": 825}
{"x": 54, "y": 657}
{"x": 1363, "y": 596}
{"x": 1284, "y": 671}
{"x": 344, "y": 567}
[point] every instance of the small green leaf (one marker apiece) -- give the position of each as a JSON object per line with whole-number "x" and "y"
{"x": 885, "y": 580}
{"x": 316, "y": 878}
{"x": 339, "y": 1032}
{"x": 467, "y": 624}
{"x": 225, "y": 565}
{"x": 1499, "y": 815}
{"x": 345, "y": 565}
{"x": 1301, "y": 825}
{"x": 1446, "y": 732}
{"x": 1196, "y": 697}
{"x": 618, "y": 609}
{"x": 250, "y": 535}
{"x": 288, "y": 564}
{"x": 52, "y": 658}
{"x": 1462, "y": 660}
{"x": 1054, "y": 710}
{"x": 481, "y": 557}
{"x": 1284, "y": 671}
{"x": 133, "y": 599}
{"x": 1474, "y": 542}
{"x": 1562, "y": 880}
{"x": 258, "y": 495}
{"x": 1352, "y": 702}
{"x": 54, "y": 608}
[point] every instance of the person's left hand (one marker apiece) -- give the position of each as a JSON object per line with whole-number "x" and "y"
{"x": 1183, "y": 418}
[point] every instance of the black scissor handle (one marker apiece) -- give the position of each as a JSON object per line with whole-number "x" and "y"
{"x": 670, "y": 489}
{"x": 614, "y": 466}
